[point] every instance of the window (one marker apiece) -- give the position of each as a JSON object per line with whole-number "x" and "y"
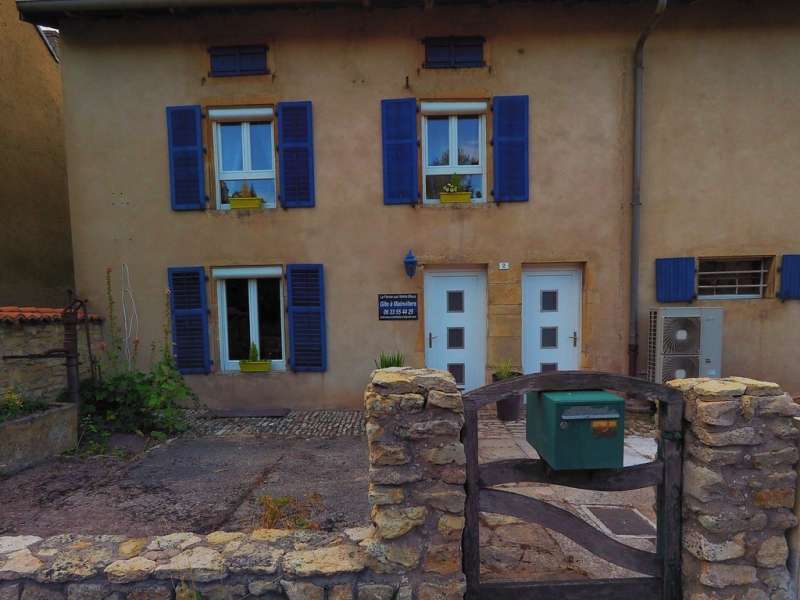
{"x": 453, "y": 52}
{"x": 244, "y": 155}
{"x": 250, "y": 304}
{"x": 227, "y": 61}
{"x": 453, "y": 149}
{"x": 732, "y": 278}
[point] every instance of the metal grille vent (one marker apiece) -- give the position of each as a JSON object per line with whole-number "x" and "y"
{"x": 681, "y": 335}
{"x": 652, "y": 350}
{"x": 680, "y": 367}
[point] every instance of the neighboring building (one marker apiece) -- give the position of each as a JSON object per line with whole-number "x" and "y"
{"x": 35, "y": 247}
{"x": 177, "y": 114}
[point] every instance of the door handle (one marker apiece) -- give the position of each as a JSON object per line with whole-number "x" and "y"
{"x": 574, "y": 338}
{"x": 431, "y": 337}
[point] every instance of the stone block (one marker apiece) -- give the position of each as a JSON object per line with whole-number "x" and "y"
{"x": 783, "y": 406}
{"x": 773, "y": 552}
{"x": 449, "y": 401}
{"x": 775, "y": 498}
{"x": 701, "y": 546}
{"x": 448, "y": 498}
{"x": 150, "y": 592}
{"x": 383, "y": 454}
{"x": 129, "y": 570}
{"x": 722, "y": 413}
{"x": 343, "y": 591}
{"x": 701, "y": 482}
{"x": 715, "y": 457}
{"x": 444, "y": 559}
{"x": 743, "y": 436}
{"x": 721, "y": 575}
{"x": 33, "y": 591}
{"x": 772, "y": 458}
{"x": 453, "y": 590}
{"x": 450, "y": 526}
{"x": 392, "y": 523}
{"x": 374, "y": 591}
{"x": 391, "y": 557}
{"x": 394, "y": 475}
{"x": 380, "y": 495}
{"x": 733, "y": 521}
{"x": 332, "y": 560}
{"x": 719, "y": 388}
{"x": 444, "y": 454}
{"x": 259, "y": 587}
{"x": 198, "y": 564}
{"x": 754, "y": 387}
{"x": 301, "y": 590}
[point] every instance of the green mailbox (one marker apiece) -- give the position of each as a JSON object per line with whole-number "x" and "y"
{"x": 577, "y": 430}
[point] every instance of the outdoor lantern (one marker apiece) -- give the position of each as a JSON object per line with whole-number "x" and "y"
{"x": 410, "y": 262}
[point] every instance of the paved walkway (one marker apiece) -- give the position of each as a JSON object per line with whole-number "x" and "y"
{"x": 297, "y": 424}
{"x": 512, "y": 550}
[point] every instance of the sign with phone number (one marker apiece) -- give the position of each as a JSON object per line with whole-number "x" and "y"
{"x": 397, "y": 307}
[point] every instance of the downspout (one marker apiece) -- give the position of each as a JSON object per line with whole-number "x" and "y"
{"x": 636, "y": 195}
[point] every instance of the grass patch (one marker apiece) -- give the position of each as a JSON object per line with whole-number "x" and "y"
{"x": 288, "y": 512}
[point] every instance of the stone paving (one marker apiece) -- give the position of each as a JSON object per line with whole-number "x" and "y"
{"x": 297, "y": 424}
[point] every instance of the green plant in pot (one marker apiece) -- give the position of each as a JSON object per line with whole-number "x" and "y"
{"x": 390, "y": 359}
{"x": 254, "y": 364}
{"x": 508, "y": 409}
{"x": 455, "y": 192}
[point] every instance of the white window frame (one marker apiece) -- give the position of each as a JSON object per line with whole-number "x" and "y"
{"x": 453, "y": 110}
{"x": 766, "y": 264}
{"x": 252, "y": 275}
{"x": 245, "y": 116}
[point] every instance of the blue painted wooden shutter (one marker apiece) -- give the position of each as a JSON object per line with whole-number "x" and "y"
{"x": 399, "y": 134}
{"x": 790, "y": 277}
{"x": 296, "y": 154}
{"x": 186, "y": 169}
{"x": 675, "y": 279}
{"x": 307, "y": 339}
{"x": 510, "y": 125}
{"x": 187, "y": 298}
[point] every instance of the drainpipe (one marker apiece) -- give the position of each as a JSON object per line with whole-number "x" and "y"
{"x": 636, "y": 196}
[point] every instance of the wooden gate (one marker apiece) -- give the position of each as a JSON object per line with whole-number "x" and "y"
{"x": 661, "y": 569}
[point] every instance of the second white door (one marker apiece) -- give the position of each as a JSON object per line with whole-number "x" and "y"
{"x": 551, "y": 318}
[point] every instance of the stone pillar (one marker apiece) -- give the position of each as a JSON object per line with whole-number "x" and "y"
{"x": 740, "y": 455}
{"x": 416, "y": 479}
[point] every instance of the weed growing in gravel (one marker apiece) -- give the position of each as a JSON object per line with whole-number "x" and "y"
{"x": 288, "y": 512}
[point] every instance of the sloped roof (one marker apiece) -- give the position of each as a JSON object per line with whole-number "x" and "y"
{"x": 32, "y": 314}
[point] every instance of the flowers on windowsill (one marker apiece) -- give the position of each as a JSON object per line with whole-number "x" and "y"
{"x": 454, "y": 191}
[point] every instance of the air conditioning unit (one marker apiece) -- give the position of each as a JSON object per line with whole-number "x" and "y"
{"x": 684, "y": 342}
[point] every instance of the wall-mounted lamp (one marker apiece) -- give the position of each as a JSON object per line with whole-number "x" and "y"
{"x": 410, "y": 263}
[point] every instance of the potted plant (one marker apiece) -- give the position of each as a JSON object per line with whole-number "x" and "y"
{"x": 455, "y": 192}
{"x": 508, "y": 409}
{"x": 254, "y": 364}
{"x": 390, "y": 359}
{"x": 244, "y": 198}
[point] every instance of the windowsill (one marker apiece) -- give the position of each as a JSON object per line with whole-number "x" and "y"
{"x": 236, "y": 211}
{"x": 729, "y": 297}
{"x": 262, "y": 374}
{"x": 456, "y": 205}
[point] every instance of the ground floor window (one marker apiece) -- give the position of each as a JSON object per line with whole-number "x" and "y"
{"x": 730, "y": 278}
{"x": 250, "y": 312}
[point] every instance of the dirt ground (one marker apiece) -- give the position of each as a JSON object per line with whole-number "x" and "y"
{"x": 198, "y": 485}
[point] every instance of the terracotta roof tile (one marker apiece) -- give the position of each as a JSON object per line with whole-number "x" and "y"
{"x": 18, "y": 314}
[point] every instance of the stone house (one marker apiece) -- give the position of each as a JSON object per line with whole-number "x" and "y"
{"x": 35, "y": 246}
{"x": 450, "y": 180}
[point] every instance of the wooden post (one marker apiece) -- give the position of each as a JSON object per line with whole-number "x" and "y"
{"x": 471, "y": 539}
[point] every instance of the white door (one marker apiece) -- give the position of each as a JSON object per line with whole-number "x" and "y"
{"x": 455, "y": 325}
{"x": 551, "y": 319}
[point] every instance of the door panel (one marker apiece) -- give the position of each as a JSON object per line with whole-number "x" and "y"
{"x": 551, "y": 302}
{"x": 455, "y": 325}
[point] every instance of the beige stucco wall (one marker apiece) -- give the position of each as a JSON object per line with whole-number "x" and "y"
{"x": 35, "y": 248}
{"x": 721, "y": 173}
{"x": 573, "y": 62}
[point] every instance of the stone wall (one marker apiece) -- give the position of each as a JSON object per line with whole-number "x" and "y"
{"x": 411, "y": 550}
{"x": 40, "y": 378}
{"x": 740, "y": 455}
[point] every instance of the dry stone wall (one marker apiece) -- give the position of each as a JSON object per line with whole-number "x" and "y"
{"x": 44, "y": 378}
{"x": 412, "y": 550}
{"x": 740, "y": 457}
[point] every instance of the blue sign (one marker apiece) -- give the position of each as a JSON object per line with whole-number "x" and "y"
{"x": 397, "y": 307}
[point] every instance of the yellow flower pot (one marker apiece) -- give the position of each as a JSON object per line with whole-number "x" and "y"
{"x": 255, "y": 366}
{"x": 245, "y": 202}
{"x": 455, "y": 197}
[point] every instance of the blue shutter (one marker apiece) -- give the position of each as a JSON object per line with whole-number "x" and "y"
{"x": 510, "y": 126}
{"x": 790, "y": 277}
{"x": 186, "y": 170}
{"x": 296, "y": 154}
{"x": 187, "y": 299}
{"x": 675, "y": 279}
{"x": 399, "y": 133}
{"x": 307, "y": 340}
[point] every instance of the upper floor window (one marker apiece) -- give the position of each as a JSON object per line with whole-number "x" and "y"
{"x": 453, "y": 52}
{"x": 244, "y": 157}
{"x": 453, "y": 152}
{"x": 228, "y": 61}
{"x": 723, "y": 278}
